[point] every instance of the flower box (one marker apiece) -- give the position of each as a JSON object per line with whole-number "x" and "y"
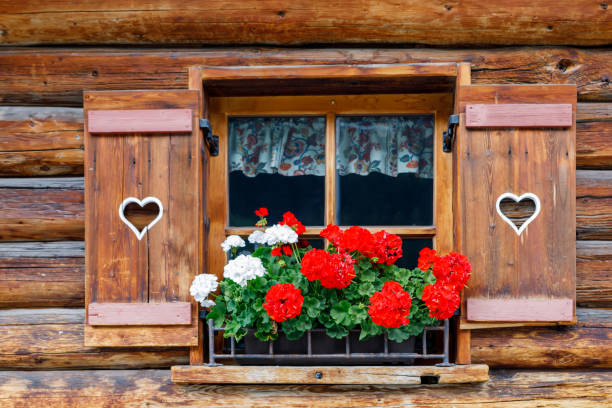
{"x": 295, "y": 304}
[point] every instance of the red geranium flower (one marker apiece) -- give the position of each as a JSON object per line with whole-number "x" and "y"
{"x": 333, "y": 233}
{"x": 262, "y": 212}
{"x": 426, "y": 258}
{"x": 287, "y": 250}
{"x": 387, "y": 247}
{"x": 290, "y": 220}
{"x": 283, "y": 301}
{"x": 315, "y": 264}
{"x": 441, "y": 268}
{"x": 284, "y": 249}
{"x": 276, "y": 251}
{"x": 334, "y": 271}
{"x": 340, "y": 272}
{"x": 460, "y": 269}
{"x": 441, "y": 299}
{"x": 391, "y": 306}
{"x": 357, "y": 239}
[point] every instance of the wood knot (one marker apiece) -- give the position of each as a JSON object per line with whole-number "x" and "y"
{"x": 603, "y": 5}
{"x": 281, "y": 14}
{"x": 448, "y": 7}
{"x": 564, "y": 64}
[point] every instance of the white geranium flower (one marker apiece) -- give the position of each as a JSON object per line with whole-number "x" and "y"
{"x": 244, "y": 268}
{"x": 280, "y": 234}
{"x": 233, "y": 241}
{"x": 202, "y": 286}
{"x": 258, "y": 237}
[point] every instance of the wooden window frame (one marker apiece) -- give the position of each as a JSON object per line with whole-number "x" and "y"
{"x": 346, "y": 82}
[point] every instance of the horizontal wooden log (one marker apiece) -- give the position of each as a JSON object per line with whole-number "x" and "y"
{"x": 104, "y": 388}
{"x": 40, "y": 141}
{"x": 593, "y": 205}
{"x": 583, "y": 345}
{"x": 594, "y": 273}
{"x": 49, "y": 341}
{"x": 306, "y": 22}
{"x": 52, "y": 76}
{"x": 41, "y": 214}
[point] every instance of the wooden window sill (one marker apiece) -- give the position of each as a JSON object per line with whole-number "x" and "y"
{"x": 371, "y": 375}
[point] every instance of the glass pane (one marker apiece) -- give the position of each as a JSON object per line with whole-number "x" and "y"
{"x": 410, "y": 251}
{"x": 384, "y": 170}
{"x": 277, "y": 163}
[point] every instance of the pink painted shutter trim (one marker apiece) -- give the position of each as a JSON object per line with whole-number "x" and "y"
{"x": 139, "y": 314}
{"x": 140, "y": 121}
{"x": 518, "y": 115}
{"x": 520, "y": 310}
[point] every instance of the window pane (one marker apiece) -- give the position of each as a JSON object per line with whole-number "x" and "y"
{"x": 385, "y": 170}
{"x": 410, "y": 251}
{"x": 277, "y": 163}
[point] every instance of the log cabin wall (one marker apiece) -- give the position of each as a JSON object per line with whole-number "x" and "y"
{"x": 45, "y": 66}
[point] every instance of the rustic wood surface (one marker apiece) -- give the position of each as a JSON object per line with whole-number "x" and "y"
{"x": 540, "y": 161}
{"x": 583, "y": 345}
{"x": 53, "y": 338}
{"x": 594, "y": 273}
{"x": 394, "y": 375}
{"x": 58, "y": 76}
{"x": 306, "y": 22}
{"x": 138, "y": 388}
{"x": 160, "y": 268}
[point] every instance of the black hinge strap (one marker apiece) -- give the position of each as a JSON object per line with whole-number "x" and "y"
{"x": 449, "y": 136}
{"x": 211, "y": 140}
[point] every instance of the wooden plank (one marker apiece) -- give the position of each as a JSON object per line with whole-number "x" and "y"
{"x": 266, "y": 22}
{"x": 593, "y": 146}
{"x": 139, "y": 314}
{"x": 397, "y": 375}
{"x": 506, "y": 389}
{"x": 69, "y": 183}
{"x": 517, "y": 310}
{"x": 139, "y": 121}
{"x": 57, "y": 76}
{"x": 24, "y": 317}
{"x": 517, "y": 115}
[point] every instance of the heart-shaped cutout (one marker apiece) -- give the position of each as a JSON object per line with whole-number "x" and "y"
{"x": 140, "y": 212}
{"x": 514, "y": 213}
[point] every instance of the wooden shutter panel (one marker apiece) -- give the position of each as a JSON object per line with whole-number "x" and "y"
{"x": 517, "y": 139}
{"x": 142, "y": 144}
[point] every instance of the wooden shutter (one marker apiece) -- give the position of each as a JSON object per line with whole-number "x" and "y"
{"x": 517, "y": 139}
{"x": 142, "y": 144}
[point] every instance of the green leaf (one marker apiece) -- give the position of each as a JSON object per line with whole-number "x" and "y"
{"x": 367, "y": 289}
{"x": 337, "y": 332}
{"x": 399, "y": 334}
{"x": 358, "y": 313}
{"x": 340, "y": 313}
{"x": 367, "y": 275}
{"x": 217, "y": 313}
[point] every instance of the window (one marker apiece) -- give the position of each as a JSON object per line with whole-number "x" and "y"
{"x": 370, "y": 160}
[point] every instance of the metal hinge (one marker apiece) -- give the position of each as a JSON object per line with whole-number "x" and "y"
{"x": 449, "y": 136}
{"x": 211, "y": 140}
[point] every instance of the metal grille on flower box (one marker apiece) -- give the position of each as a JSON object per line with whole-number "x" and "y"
{"x": 315, "y": 347}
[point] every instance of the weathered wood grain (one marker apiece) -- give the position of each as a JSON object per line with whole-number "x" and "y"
{"x": 594, "y": 273}
{"x": 104, "y": 388}
{"x": 583, "y": 345}
{"x": 594, "y": 144}
{"x": 55, "y": 76}
{"x": 40, "y": 141}
{"x": 43, "y": 339}
{"x": 396, "y": 375}
{"x": 41, "y": 214}
{"x": 593, "y": 205}
{"x": 306, "y": 22}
